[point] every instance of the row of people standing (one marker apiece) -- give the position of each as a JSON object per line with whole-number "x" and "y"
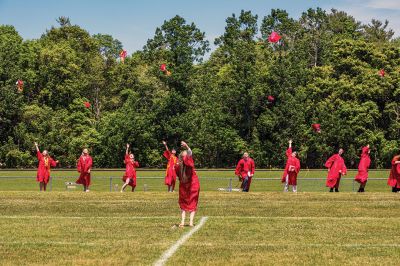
{"x": 181, "y": 167}
{"x": 336, "y": 169}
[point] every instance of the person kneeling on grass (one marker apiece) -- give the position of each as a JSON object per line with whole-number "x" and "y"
{"x": 44, "y": 165}
{"x": 189, "y": 186}
{"x": 363, "y": 166}
{"x": 85, "y": 163}
{"x": 245, "y": 171}
{"x": 130, "y": 172}
{"x": 292, "y": 169}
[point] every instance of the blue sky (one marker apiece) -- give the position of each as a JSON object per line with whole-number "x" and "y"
{"x": 133, "y": 22}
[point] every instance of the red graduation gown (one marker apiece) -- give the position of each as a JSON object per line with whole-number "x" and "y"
{"x": 363, "y": 166}
{"x": 337, "y": 168}
{"x": 43, "y": 171}
{"x": 292, "y": 168}
{"x": 130, "y": 170}
{"x": 244, "y": 167}
{"x": 394, "y": 177}
{"x": 85, "y": 163}
{"x": 188, "y": 189}
{"x": 170, "y": 173}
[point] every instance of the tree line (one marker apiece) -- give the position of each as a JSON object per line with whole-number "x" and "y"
{"x": 326, "y": 69}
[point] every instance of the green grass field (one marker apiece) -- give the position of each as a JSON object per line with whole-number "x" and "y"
{"x": 256, "y": 228}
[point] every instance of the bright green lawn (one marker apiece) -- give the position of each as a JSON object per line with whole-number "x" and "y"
{"x": 256, "y": 228}
{"x": 210, "y": 180}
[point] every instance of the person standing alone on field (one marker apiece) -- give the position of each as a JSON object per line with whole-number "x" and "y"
{"x": 245, "y": 171}
{"x": 189, "y": 186}
{"x": 170, "y": 173}
{"x": 130, "y": 170}
{"x": 363, "y": 166}
{"x": 292, "y": 169}
{"x": 84, "y": 166}
{"x": 44, "y": 165}
{"x": 336, "y": 168}
{"x": 394, "y": 177}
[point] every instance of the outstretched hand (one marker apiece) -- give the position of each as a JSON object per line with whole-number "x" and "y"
{"x": 290, "y": 141}
{"x": 127, "y": 145}
{"x": 163, "y": 142}
{"x": 184, "y": 144}
{"x": 36, "y": 144}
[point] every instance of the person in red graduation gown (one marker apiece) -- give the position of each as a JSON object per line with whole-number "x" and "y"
{"x": 189, "y": 185}
{"x": 363, "y": 166}
{"x": 292, "y": 169}
{"x": 170, "y": 173}
{"x": 84, "y": 166}
{"x": 336, "y": 168}
{"x": 130, "y": 170}
{"x": 394, "y": 176}
{"x": 245, "y": 171}
{"x": 44, "y": 165}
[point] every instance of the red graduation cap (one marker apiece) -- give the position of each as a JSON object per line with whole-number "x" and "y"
{"x": 382, "y": 72}
{"x": 271, "y": 98}
{"x": 20, "y": 85}
{"x": 316, "y": 127}
{"x": 122, "y": 55}
{"x": 274, "y": 37}
{"x": 163, "y": 67}
{"x": 87, "y": 104}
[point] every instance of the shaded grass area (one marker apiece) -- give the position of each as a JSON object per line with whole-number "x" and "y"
{"x": 255, "y": 228}
{"x": 211, "y": 180}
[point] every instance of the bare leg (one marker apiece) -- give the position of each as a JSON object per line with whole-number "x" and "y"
{"x": 182, "y": 224}
{"x": 133, "y": 188}
{"x": 124, "y": 185}
{"x": 41, "y": 186}
{"x": 286, "y": 189}
{"x": 44, "y": 186}
{"x": 191, "y": 218}
{"x": 294, "y": 188}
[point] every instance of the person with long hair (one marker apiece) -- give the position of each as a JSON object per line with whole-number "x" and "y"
{"x": 189, "y": 185}
{"x": 129, "y": 177}
{"x": 394, "y": 176}
{"x": 292, "y": 169}
{"x": 45, "y": 162}
{"x": 363, "y": 167}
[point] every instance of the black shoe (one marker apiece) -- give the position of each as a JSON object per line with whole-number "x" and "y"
{"x": 331, "y": 190}
{"x": 359, "y": 190}
{"x": 336, "y": 190}
{"x": 394, "y": 189}
{"x": 362, "y": 190}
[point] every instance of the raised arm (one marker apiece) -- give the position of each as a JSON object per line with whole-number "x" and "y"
{"x": 127, "y": 149}
{"x": 36, "y": 146}
{"x": 290, "y": 143}
{"x": 184, "y": 145}
{"x": 165, "y": 145}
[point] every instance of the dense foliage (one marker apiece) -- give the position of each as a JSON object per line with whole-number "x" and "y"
{"x": 324, "y": 70}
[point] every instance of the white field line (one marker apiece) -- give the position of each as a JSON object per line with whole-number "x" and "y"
{"x": 168, "y": 253}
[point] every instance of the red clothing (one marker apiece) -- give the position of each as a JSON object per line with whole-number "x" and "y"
{"x": 394, "y": 177}
{"x": 170, "y": 173}
{"x": 336, "y": 168}
{"x": 85, "y": 163}
{"x": 292, "y": 168}
{"x": 130, "y": 170}
{"x": 43, "y": 171}
{"x": 245, "y": 168}
{"x": 189, "y": 185}
{"x": 363, "y": 166}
